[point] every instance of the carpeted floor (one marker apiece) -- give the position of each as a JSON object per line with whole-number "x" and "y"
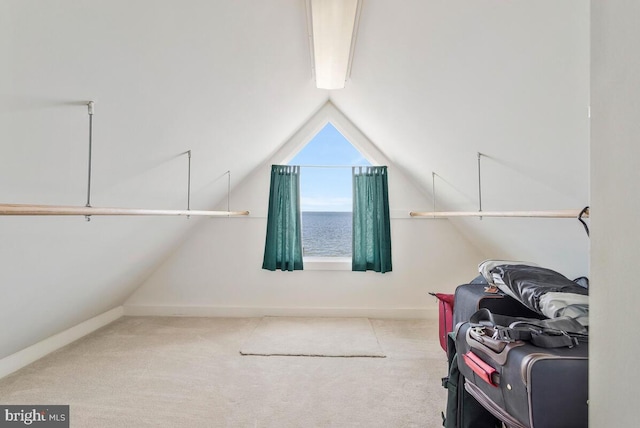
{"x": 313, "y": 337}
{"x": 188, "y": 372}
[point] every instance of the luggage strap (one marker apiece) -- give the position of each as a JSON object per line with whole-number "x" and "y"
{"x": 551, "y": 333}
{"x": 543, "y": 338}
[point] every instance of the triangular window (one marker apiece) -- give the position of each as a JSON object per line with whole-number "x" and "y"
{"x": 326, "y": 193}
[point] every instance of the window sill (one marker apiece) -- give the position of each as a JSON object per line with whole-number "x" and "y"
{"x": 327, "y": 263}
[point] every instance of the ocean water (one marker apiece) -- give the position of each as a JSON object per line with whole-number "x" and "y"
{"x": 326, "y": 234}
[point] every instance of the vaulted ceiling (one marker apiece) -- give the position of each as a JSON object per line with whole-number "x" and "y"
{"x": 433, "y": 83}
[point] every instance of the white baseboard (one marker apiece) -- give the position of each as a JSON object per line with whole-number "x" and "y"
{"x": 34, "y": 352}
{"x": 226, "y": 311}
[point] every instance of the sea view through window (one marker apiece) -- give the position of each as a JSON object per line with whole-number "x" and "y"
{"x": 326, "y": 193}
{"x": 326, "y": 233}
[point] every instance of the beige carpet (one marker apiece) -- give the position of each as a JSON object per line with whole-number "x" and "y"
{"x": 187, "y": 372}
{"x": 313, "y": 337}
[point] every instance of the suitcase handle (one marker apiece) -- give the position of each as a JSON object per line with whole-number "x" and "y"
{"x": 479, "y": 335}
{"x": 482, "y": 369}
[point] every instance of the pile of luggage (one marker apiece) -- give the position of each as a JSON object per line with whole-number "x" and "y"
{"x": 516, "y": 338}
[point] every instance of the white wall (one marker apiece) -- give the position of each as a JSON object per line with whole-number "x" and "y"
{"x": 166, "y": 77}
{"x": 220, "y": 265}
{"x": 432, "y": 84}
{"x": 220, "y": 268}
{"x": 615, "y": 250}
{"x": 58, "y": 272}
{"x": 435, "y": 82}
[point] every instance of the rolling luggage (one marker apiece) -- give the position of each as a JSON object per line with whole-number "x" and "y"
{"x": 463, "y": 411}
{"x": 468, "y": 298}
{"x": 471, "y": 297}
{"x": 528, "y": 373}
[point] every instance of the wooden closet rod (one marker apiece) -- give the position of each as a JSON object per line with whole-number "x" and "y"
{"x": 577, "y": 214}
{"x": 88, "y": 210}
{"x": 540, "y": 214}
{"x": 21, "y": 209}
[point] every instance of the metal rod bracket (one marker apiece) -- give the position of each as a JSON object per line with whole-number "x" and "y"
{"x": 479, "y": 184}
{"x": 433, "y": 189}
{"x": 189, "y": 184}
{"x": 90, "y": 110}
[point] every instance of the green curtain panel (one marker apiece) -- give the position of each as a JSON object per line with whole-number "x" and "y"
{"x": 283, "y": 246}
{"x": 371, "y": 221}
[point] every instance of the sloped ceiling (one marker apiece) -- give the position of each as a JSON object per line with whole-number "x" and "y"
{"x": 229, "y": 80}
{"x": 433, "y": 83}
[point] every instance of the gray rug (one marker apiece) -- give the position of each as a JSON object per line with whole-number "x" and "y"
{"x": 313, "y": 337}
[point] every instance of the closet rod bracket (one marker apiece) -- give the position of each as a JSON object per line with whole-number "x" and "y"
{"x": 188, "y": 152}
{"x": 228, "y": 189}
{"x": 90, "y": 110}
{"x": 480, "y": 183}
{"x": 433, "y": 189}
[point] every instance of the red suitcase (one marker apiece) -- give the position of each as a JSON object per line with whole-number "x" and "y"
{"x": 445, "y": 309}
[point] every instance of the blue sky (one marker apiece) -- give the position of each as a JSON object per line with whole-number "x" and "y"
{"x": 327, "y": 189}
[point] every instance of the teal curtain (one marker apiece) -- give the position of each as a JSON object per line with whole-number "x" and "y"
{"x": 371, "y": 221}
{"x": 283, "y": 246}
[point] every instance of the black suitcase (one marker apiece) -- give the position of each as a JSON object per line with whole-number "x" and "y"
{"x": 471, "y": 297}
{"x": 523, "y": 385}
{"x": 462, "y": 411}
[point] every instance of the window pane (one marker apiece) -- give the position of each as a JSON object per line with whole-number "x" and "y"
{"x": 326, "y": 234}
{"x": 326, "y": 194}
